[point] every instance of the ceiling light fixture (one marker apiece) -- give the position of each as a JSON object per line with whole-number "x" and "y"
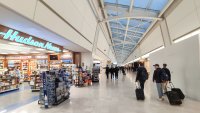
{"x": 65, "y": 50}
{"x": 16, "y": 44}
{"x": 40, "y": 49}
{"x": 23, "y": 52}
{"x": 35, "y": 52}
{"x": 3, "y": 53}
{"x": 187, "y": 36}
{"x": 50, "y": 51}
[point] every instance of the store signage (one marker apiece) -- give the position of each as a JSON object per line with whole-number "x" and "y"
{"x": 12, "y": 35}
{"x": 20, "y": 37}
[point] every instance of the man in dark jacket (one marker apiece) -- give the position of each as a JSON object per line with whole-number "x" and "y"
{"x": 107, "y": 72}
{"x": 167, "y": 71}
{"x": 157, "y": 77}
{"x": 112, "y": 72}
{"x": 116, "y": 72}
{"x": 142, "y": 75}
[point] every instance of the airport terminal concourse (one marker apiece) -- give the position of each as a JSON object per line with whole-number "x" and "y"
{"x": 99, "y": 56}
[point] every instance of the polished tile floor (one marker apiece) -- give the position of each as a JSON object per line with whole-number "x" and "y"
{"x": 112, "y": 96}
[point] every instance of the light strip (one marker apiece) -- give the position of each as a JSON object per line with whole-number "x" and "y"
{"x": 187, "y": 36}
{"x": 146, "y": 55}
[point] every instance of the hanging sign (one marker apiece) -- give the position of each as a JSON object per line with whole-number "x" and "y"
{"x": 19, "y": 37}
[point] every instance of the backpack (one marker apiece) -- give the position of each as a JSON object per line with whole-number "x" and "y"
{"x": 144, "y": 74}
{"x": 164, "y": 76}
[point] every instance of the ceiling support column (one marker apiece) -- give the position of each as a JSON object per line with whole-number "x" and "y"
{"x": 165, "y": 33}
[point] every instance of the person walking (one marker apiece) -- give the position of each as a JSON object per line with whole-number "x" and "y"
{"x": 116, "y": 72}
{"x": 157, "y": 77}
{"x": 107, "y": 72}
{"x": 142, "y": 75}
{"x": 112, "y": 72}
{"x": 168, "y": 74}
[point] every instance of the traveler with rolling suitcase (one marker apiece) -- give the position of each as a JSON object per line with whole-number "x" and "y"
{"x": 139, "y": 92}
{"x": 157, "y": 77}
{"x": 168, "y": 77}
{"x": 142, "y": 75}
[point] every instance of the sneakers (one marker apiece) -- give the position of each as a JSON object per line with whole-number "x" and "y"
{"x": 161, "y": 99}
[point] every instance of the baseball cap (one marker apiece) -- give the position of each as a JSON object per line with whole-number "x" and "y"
{"x": 156, "y": 65}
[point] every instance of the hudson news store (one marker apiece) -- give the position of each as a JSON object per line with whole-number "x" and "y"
{"x": 29, "y": 54}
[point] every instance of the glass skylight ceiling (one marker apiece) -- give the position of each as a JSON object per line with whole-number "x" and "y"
{"x": 128, "y": 24}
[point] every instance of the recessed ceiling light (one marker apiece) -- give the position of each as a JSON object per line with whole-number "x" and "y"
{"x": 39, "y": 49}
{"x": 3, "y": 53}
{"x": 13, "y": 53}
{"x": 35, "y": 52}
{"x": 16, "y": 44}
{"x": 51, "y": 52}
{"x": 23, "y": 52}
{"x": 65, "y": 50}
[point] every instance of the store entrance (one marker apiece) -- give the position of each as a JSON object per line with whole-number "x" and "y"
{"x": 20, "y": 68}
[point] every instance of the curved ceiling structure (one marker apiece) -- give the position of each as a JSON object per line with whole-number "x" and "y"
{"x": 128, "y": 21}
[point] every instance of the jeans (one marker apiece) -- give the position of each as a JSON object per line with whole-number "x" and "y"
{"x": 159, "y": 88}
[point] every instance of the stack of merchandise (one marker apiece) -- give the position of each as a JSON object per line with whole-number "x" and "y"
{"x": 8, "y": 83}
{"x": 95, "y": 74}
{"x": 84, "y": 79}
{"x": 56, "y": 87}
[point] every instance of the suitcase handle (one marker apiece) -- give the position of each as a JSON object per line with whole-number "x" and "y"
{"x": 171, "y": 84}
{"x": 137, "y": 85}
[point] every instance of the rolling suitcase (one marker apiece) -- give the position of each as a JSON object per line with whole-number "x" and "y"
{"x": 173, "y": 98}
{"x": 180, "y": 93}
{"x": 139, "y": 93}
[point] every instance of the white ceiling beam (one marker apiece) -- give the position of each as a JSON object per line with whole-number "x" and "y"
{"x": 127, "y": 26}
{"x": 128, "y": 30}
{"x": 130, "y": 17}
{"x": 140, "y": 12}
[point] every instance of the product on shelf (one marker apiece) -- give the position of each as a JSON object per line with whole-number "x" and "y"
{"x": 8, "y": 83}
{"x": 55, "y": 64}
{"x": 42, "y": 65}
{"x": 1, "y": 64}
{"x": 55, "y": 87}
{"x": 13, "y": 64}
{"x": 35, "y": 82}
{"x": 32, "y": 66}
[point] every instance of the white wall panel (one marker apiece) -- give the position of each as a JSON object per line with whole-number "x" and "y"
{"x": 102, "y": 43}
{"x": 77, "y": 15}
{"x": 24, "y": 7}
{"x": 48, "y": 19}
{"x": 101, "y": 55}
{"x": 183, "y": 19}
{"x": 184, "y": 65}
{"x": 87, "y": 59}
{"x": 153, "y": 41}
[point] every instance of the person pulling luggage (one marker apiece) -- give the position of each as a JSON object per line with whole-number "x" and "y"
{"x": 168, "y": 77}
{"x": 157, "y": 77}
{"x": 142, "y": 75}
